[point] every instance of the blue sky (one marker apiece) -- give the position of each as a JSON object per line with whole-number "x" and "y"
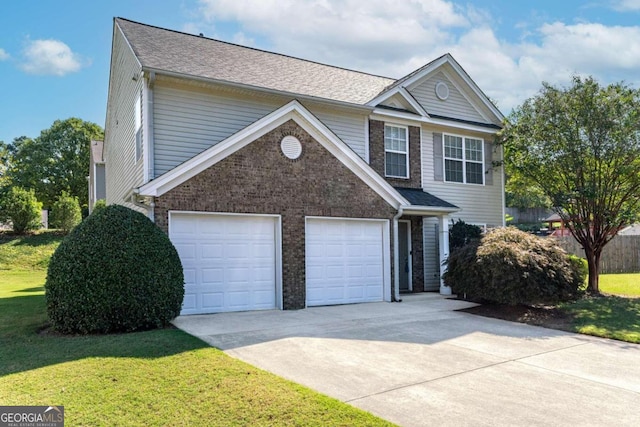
{"x": 54, "y": 55}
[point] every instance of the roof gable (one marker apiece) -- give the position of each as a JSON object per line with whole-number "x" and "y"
{"x": 420, "y": 84}
{"x": 291, "y": 111}
{"x": 177, "y": 53}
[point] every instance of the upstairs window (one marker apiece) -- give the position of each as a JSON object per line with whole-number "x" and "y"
{"x": 463, "y": 159}
{"x": 396, "y": 151}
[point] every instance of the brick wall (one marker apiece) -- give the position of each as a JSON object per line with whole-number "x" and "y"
{"x": 376, "y": 155}
{"x": 260, "y": 179}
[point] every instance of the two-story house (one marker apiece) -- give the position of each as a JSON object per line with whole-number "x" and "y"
{"x": 286, "y": 183}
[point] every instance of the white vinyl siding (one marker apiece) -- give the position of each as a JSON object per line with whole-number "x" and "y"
{"x": 479, "y": 204}
{"x": 123, "y": 173}
{"x": 187, "y": 122}
{"x": 463, "y": 159}
{"x": 396, "y": 151}
{"x": 456, "y": 106}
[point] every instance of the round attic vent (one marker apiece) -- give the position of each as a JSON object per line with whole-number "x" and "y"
{"x": 442, "y": 91}
{"x": 291, "y": 147}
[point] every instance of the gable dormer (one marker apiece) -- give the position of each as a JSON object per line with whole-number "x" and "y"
{"x": 440, "y": 91}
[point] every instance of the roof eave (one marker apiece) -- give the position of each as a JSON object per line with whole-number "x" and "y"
{"x": 428, "y": 210}
{"x": 299, "y": 96}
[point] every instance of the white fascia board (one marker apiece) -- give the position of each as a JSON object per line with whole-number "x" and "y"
{"x": 412, "y": 101}
{"x": 405, "y": 94}
{"x": 382, "y": 114}
{"x": 291, "y": 111}
{"x": 428, "y": 210}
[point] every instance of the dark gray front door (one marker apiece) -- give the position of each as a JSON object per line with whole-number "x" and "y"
{"x": 404, "y": 255}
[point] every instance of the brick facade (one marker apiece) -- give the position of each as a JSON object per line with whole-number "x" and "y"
{"x": 376, "y": 155}
{"x": 260, "y": 179}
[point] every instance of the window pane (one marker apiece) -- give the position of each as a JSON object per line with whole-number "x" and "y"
{"x": 453, "y": 147}
{"x": 474, "y": 150}
{"x": 453, "y": 170}
{"x": 396, "y": 164}
{"x": 395, "y": 138}
{"x": 474, "y": 173}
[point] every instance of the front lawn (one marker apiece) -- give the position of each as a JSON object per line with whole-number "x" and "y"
{"x": 609, "y": 317}
{"x": 620, "y": 284}
{"x": 162, "y": 377}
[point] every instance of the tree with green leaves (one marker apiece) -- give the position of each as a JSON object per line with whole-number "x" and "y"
{"x": 21, "y": 208}
{"x": 55, "y": 161}
{"x": 581, "y": 146}
{"x": 65, "y": 213}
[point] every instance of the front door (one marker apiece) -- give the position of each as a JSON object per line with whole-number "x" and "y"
{"x": 404, "y": 243}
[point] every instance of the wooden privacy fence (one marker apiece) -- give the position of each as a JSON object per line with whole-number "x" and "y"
{"x": 621, "y": 255}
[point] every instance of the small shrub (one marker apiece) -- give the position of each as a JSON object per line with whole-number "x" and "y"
{"x": 462, "y": 233}
{"x": 21, "y": 208}
{"x": 513, "y": 267}
{"x": 115, "y": 272}
{"x": 65, "y": 212}
{"x": 580, "y": 268}
{"x": 99, "y": 205}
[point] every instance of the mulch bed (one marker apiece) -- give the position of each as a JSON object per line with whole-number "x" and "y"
{"x": 545, "y": 316}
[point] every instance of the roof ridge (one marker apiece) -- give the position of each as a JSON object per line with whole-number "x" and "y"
{"x": 256, "y": 49}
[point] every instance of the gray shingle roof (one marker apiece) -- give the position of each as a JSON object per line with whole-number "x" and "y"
{"x": 177, "y": 52}
{"x": 418, "y": 197}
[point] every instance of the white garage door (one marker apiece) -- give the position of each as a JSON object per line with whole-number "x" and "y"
{"x": 344, "y": 261}
{"x": 229, "y": 261}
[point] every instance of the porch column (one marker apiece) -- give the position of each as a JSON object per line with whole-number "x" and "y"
{"x": 443, "y": 240}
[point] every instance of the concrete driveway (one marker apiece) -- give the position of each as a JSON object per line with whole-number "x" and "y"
{"x": 419, "y": 363}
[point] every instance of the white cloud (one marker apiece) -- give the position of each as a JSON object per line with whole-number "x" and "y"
{"x": 626, "y": 5}
{"x": 394, "y": 38}
{"x": 4, "y": 55}
{"x": 50, "y": 57}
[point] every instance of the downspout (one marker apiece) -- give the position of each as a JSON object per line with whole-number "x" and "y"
{"x": 396, "y": 255}
{"x": 150, "y": 127}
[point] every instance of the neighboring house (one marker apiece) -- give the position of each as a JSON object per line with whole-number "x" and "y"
{"x": 285, "y": 183}
{"x": 97, "y": 181}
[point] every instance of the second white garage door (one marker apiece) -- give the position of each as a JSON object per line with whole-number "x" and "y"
{"x": 229, "y": 261}
{"x": 345, "y": 261}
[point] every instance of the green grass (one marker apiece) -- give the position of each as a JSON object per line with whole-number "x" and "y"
{"x": 609, "y": 317}
{"x": 30, "y": 252}
{"x": 620, "y": 284}
{"x": 163, "y": 377}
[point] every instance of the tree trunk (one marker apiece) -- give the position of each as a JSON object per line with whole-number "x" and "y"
{"x": 593, "y": 261}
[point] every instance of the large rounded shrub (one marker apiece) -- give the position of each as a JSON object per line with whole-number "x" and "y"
{"x": 115, "y": 272}
{"x": 513, "y": 267}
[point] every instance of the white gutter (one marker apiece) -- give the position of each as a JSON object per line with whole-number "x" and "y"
{"x": 396, "y": 255}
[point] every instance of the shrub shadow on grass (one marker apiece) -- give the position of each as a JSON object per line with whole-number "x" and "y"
{"x": 23, "y": 348}
{"x": 32, "y": 240}
{"x": 27, "y": 290}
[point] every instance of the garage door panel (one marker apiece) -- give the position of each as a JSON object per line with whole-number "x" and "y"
{"x": 212, "y": 301}
{"x": 225, "y": 263}
{"x": 344, "y": 261}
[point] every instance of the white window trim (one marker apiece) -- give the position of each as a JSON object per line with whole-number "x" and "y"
{"x": 406, "y": 129}
{"x": 463, "y": 160}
